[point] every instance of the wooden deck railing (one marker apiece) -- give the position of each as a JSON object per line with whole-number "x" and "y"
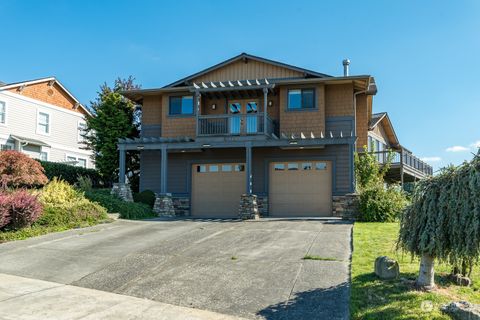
{"x": 406, "y": 159}
{"x": 234, "y": 124}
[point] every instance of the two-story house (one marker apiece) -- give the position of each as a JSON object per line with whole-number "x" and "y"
{"x": 44, "y": 120}
{"x": 254, "y": 126}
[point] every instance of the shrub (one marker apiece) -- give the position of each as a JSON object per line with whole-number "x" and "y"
{"x": 19, "y": 170}
{"x": 63, "y": 205}
{"x": 24, "y": 209}
{"x": 379, "y": 204}
{"x": 4, "y": 210}
{"x": 146, "y": 196}
{"x": 127, "y": 210}
{"x": 71, "y": 173}
{"x": 84, "y": 183}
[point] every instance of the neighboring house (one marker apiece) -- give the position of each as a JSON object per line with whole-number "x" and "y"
{"x": 44, "y": 120}
{"x": 255, "y": 126}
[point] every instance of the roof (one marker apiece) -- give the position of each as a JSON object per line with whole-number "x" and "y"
{"x": 29, "y": 141}
{"x": 244, "y": 56}
{"x": 383, "y": 117}
{"x": 40, "y": 80}
{"x": 376, "y": 119}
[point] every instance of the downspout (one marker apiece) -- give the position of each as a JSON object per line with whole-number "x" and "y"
{"x": 354, "y": 182}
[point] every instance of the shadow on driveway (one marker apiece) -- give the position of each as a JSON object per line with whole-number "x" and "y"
{"x": 313, "y": 304}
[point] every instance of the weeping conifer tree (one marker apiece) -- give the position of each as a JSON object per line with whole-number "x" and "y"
{"x": 443, "y": 221}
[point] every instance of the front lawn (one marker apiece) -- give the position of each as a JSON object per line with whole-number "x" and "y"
{"x": 372, "y": 298}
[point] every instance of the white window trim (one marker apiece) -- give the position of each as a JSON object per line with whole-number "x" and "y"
{"x": 47, "y": 151}
{"x": 49, "y": 122}
{"x": 79, "y": 137}
{"x": 76, "y": 159}
{"x": 6, "y": 114}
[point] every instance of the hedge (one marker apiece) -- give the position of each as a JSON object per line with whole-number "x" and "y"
{"x": 71, "y": 173}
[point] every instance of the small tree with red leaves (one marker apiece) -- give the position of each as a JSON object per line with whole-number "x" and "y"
{"x": 19, "y": 170}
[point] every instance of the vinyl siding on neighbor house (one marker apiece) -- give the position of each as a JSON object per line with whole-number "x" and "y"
{"x": 22, "y": 117}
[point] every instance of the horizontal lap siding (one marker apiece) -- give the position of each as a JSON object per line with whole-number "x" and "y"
{"x": 179, "y": 166}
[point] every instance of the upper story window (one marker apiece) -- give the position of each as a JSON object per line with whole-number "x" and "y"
{"x": 181, "y": 105}
{"x": 82, "y": 127}
{"x": 3, "y": 113}
{"x": 301, "y": 99}
{"x": 43, "y": 123}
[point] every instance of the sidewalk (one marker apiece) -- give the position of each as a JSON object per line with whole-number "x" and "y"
{"x": 30, "y": 299}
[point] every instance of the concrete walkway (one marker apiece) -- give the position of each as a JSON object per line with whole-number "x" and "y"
{"x": 25, "y": 299}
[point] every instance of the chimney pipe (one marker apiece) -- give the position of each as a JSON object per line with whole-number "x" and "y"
{"x": 346, "y": 63}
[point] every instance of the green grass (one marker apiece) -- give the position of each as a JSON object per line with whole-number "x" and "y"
{"x": 310, "y": 257}
{"x": 372, "y": 298}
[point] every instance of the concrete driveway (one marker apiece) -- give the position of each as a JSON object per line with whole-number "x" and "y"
{"x": 248, "y": 269}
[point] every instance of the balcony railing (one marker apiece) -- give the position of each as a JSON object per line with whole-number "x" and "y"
{"x": 406, "y": 159}
{"x": 234, "y": 124}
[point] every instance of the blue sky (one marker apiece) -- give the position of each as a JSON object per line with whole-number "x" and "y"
{"x": 423, "y": 54}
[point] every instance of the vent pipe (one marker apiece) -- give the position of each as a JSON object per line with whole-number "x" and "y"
{"x": 346, "y": 64}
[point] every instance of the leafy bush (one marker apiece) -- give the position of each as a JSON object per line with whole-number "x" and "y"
{"x": 127, "y": 210}
{"x": 379, "y": 204}
{"x": 4, "y": 210}
{"x": 19, "y": 170}
{"x": 146, "y": 196}
{"x": 71, "y": 173}
{"x": 85, "y": 184}
{"x": 23, "y": 209}
{"x": 63, "y": 205}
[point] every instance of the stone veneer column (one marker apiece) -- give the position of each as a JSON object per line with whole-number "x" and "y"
{"x": 345, "y": 206}
{"x": 163, "y": 206}
{"x": 248, "y": 207}
{"x": 123, "y": 191}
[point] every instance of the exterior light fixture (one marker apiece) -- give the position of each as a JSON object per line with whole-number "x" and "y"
{"x": 270, "y": 103}
{"x": 140, "y": 147}
{"x": 214, "y": 106}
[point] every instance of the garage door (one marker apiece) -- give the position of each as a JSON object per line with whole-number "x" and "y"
{"x": 300, "y": 188}
{"x": 216, "y": 189}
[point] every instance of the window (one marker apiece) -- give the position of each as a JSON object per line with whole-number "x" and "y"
{"x": 301, "y": 99}
{"x": 213, "y": 168}
{"x": 321, "y": 166}
{"x": 181, "y": 105}
{"x": 202, "y": 168}
{"x": 82, "y": 127}
{"x": 76, "y": 161}
{"x": 226, "y": 168}
{"x": 3, "y": 113}
{"x": 307, "y": 166}
{"x": 292, "y": 166}
{"x": 43, "y": 156}
{"x": 239, "y": 167}
{"x": 279, "y": 167}
{"x": 43, "y": 123}
{"x": 235, "y": 108}
{"x": 252, "y": 107}
{"x": 7, "y": 146}
{"x": 82, "y": 163}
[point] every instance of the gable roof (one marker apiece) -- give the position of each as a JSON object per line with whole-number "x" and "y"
{"x": 40, "y": 80}
{"x": 383, "y": 118}
{"x": 246, "y": 56}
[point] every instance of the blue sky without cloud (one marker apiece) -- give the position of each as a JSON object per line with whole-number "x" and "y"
{"x": 423, "y": 54}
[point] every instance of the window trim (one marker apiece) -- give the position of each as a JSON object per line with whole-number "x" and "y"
{"x": 302, "y": 108}
{"x": 181, "y": 115}
{"x": 47, "y": 152}
{"x": 4, "y": 124}
{"x": 38, "y": 131}
{"x": 67, "y": 155}
{"x": 79, "y": 137}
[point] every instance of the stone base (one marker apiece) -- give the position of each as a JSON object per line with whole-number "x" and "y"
{"x": 123, "y": 191}
{"x": 345, "y": 206}
{"x": 262, "y": 203}
{"x": 248, "y": 207}
{"x": 181, "y": 206}
{"x": 163, "y": 206}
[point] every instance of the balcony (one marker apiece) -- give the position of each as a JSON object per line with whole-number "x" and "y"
{"x": 235, "y": 125}
{"x": 405, "y": 167}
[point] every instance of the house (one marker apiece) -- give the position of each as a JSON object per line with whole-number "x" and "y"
{"x": 269, "y": 131}
{"x": 44, "y": 120}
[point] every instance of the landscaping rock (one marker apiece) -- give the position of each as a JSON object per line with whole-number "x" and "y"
{"x": 462, "y": 310}
{"x": 386, "y": 268}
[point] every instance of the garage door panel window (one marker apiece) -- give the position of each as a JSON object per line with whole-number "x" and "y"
{"x": 307, "y": 166}
{"x": 279, "y": 167}
{"x": 239, "y": 167}
{"x": 292, "y": 166}
{"x": 321, "y": 166}
{"x": 201, "y": 168}
{"x": 213, "y": 168}
{"x": 226, "y": 168}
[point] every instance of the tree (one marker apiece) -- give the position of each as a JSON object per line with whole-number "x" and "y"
{"x": 443, "y": 221}
{"x": 114, "y": 117}
{"x": 19, "y": 170}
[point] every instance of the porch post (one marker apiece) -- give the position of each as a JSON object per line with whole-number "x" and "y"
{"x": 197, "y": 110}
{"x": 121, "y": 167}
{"x": 248, "y": 169}
{"x": 265, "y": 105}
{"x": 164, "y": 170}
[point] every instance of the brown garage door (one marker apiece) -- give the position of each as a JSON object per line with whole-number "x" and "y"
{"x": 216, "y": 189}
{"x": 300, "y": 188}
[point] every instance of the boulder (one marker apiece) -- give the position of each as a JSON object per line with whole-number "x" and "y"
{"x": 386, "y": 268}
{"x": 462, "y": 310}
